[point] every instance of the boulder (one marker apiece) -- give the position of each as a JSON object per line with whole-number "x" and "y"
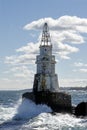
{"x": 81, "y": 109}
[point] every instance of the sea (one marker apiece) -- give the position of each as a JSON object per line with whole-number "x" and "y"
{"x": 23, "y": 114}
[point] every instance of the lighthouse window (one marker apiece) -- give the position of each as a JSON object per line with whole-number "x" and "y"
{"x": 45, "y": 49}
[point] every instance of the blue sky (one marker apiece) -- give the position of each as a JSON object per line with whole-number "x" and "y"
{"x": 19, "y": 40}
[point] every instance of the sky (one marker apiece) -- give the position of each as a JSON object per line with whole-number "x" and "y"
{"x": 21, "y": 24}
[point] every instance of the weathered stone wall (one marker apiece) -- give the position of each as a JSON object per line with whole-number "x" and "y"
{"x": 58, "y": 101}
{"x": 59, "y": 98}
{"x": 45, "y": 82}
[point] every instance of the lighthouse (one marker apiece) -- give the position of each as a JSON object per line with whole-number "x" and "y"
{"x": 45, "y": 78}
{"x": 45, "y": 87}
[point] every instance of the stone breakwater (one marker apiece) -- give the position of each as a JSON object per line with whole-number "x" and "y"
{"x": 58, "y": 101}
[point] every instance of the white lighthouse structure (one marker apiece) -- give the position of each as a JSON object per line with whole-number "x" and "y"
{"x": 45, "y": 78}
{"x": 45, "y": 86}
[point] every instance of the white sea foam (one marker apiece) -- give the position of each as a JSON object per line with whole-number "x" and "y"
{"x": 28, "y": 109}
{"x": 6, "y": 113}
{"x": 58, "y": 122}
{"x": 29, "y": 116}
{"x": 41, "y": 118}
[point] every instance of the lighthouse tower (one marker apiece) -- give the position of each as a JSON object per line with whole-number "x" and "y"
{"x": 45, "y": 78}
{"x": 45, "y": 86}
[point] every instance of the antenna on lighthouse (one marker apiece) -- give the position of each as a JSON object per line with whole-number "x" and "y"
{"x": 45, "y": 40}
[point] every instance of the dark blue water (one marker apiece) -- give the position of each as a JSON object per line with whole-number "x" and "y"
{"x": 16, "y": 114}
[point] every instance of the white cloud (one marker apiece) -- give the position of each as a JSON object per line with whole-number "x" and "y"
{"x": 65, "y": 32}
{"x": 62, "y": 23}
{"x": 29, "y": 48}
{"x": 15, "y": 84}
{"x": 83, "y": 70}
{"x": 32, "y": 35}
{"x": 73, "y": 82}
{"x": 69, "y": 36}
{"x": 80, "y": 64}
{"x": 20, "y": 59}
{"x": 22, "y": 71}
{"x": 25, "y": 55}
{"x": 81, "y": 67}
{"x": 72, "y": 23}
{"x": 18, "y": 77}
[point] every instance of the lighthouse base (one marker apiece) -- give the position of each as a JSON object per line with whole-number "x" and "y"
{"x": 58, "y": 101}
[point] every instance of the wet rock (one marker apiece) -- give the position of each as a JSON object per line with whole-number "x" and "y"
{"x": 81, "y": 109}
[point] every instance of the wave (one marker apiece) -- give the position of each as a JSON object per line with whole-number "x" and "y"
{"x": 28, "y": 109}
{"x": 58, "y": 121}
{"x": 27, "y": 115}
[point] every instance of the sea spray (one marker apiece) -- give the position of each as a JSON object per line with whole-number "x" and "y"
{"x": 59, "y": 121}
{"x": 7, "y": 112}
{"x": 28, "y": 109}
{"x": 43, "y": 121}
